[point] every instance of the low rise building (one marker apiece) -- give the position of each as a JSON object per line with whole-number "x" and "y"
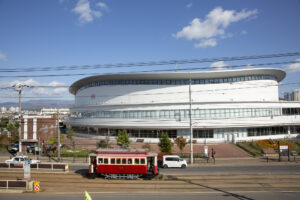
{"x": 37, "y": 130}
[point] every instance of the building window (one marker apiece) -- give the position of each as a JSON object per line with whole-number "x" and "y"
{"x": 209, "y": 133}
{"x": 176, "y": 82}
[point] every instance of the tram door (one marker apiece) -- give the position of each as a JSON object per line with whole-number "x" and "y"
{"x": 150, "y": 165}
{"x": 93, "y": 164}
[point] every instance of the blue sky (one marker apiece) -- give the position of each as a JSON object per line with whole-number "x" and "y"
{"x": 52, "y": 33}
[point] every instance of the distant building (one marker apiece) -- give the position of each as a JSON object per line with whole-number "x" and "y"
{"x": 288, "y": 96}
{"x": 14, "y": 109}
{"x": 296, "y": 95}
{"x": 48, "y": 111}
{"x": 3, "y": 109}
{"x": 37, "y": 129}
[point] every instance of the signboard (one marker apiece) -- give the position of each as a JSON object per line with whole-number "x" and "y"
{"x": 284, "y": 150}
{"x": 284, "y": 147}
{"x": 37, "y": 148}
{"x": 27, "y": 170}
{"x": 206, "y": 151}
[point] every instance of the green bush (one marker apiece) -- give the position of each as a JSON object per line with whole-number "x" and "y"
{"x": 68, "y": 152}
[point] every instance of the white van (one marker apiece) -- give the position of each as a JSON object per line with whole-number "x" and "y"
{"x": 173, "y": 161}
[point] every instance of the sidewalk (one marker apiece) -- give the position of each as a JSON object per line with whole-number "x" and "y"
{"x": 245, "y": 161}
{"x": 229, "y": 161}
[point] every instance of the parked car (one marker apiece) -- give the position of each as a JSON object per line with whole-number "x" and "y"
{"x": 15, "y": 147}
{"x": 21, "y": 160}
{"x": 173, "y": 161}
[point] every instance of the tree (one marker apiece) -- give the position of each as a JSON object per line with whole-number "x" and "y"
{"x": 180, "y": 142}
{"x": 70, "y": 134}
{"x": 53, "y": 139}
{"x": 10, "y": 127}
{"x": 123, "y": 138}
{"x": 17, "y": 125}
{"x": 4, "y": 122}
{"x": 103, "y": 144}
{"x": 14, "y": 136}
{"x": 4, "y": 140}
{"x": 165, "y": 143}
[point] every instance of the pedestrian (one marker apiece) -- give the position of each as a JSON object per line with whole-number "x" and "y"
{"x": 213, "y": 153}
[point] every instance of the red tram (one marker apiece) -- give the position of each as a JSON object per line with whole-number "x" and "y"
{"x": 123, "y": 163}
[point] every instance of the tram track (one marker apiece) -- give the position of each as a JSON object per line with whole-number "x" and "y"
{"x": 71, "y": 182}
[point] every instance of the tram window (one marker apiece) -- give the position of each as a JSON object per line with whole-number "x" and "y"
{"x": 137, "y": 161}
{"x": 129, "y": 161}
{"x": 105, "y": 160}
{"x": 112, "y": 161}
{"x": 123, "y": 160}
{"x": 100, "y": 160}
{"x": 142, "y": 161}
{"x": 118, "y": 160}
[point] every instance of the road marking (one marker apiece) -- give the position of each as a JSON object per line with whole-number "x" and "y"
{"x": 167, "y": 193}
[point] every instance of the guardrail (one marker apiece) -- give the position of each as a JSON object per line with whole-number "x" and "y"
{"x": 16, "y": 184}
{"x": 50, "y": 166}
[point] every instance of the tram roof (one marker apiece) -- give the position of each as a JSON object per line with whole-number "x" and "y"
{"x": 150, "y": 154}
{"x": 121, "y": 151}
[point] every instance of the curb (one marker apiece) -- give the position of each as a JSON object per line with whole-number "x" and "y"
{"x": 13, "y": 191}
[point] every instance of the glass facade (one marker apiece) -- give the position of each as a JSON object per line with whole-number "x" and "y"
{"x": 222, "y": 113}
{"x": 197, "y": 133}
{"x": 291, "y": 111}
{"x": 178, "y": 82}
{"x": 273, "y": 130}
{"x": 135, "y": 133}
{"x": 209, "y": 133}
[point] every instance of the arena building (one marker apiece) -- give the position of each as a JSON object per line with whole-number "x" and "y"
{"x": 226, "y": 106}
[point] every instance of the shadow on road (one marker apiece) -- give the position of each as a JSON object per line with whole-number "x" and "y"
{"x": 84, "y": 173}
{"x": 241, "y": 197}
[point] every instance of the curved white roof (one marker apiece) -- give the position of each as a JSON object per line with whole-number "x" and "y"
{"x": 279, "y": 74}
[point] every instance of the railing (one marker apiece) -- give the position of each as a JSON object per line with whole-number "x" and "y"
{"x": 16, "y": 184}
{"x": 49, "y": 166}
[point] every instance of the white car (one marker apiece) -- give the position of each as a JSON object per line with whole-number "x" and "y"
{"x": 21, "y": 160}
{"x": 173, "y": 161}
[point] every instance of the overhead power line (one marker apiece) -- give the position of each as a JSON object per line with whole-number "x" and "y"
{"x": 147, "y": 71}
{"x": 215, "y": 91}
{"x": 150, "y": 63}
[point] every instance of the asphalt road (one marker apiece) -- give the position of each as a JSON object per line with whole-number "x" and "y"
{"x": 215, "y": 169}
{"x": 255, "y": 169}
{"x": 263, "y": 195}
{"x": 245, "y": 182}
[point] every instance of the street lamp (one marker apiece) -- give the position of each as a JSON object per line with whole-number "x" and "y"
{"x": 19, "y": 88}
{"x": 191, "y": 125}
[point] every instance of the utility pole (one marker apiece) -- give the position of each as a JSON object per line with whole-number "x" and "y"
{"x": 19, "y": 88}
{"x": 39, "y": 147}
{"x": 58, "y": 137}
{"x": 191, "y": 125}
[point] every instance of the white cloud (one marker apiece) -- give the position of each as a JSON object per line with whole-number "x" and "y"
{"x": 50, "y": 88}
{"x": 214, "y": 24}
{"x": 102, "y": 5}
{"x": 244, "y": 32}
{"x": 295, "y": 67}
{"x": 60, "y": 90}
{"x": 206, "y": 43}
{"x": 86, "y": 14}
{"x": 2, "y": 56}
{"x": 189, "y": 5}
{"x": 218, "y": 65}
